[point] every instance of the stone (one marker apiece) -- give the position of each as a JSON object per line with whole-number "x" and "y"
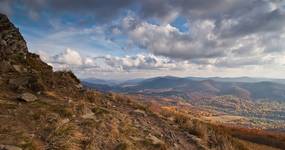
{"x": 89, "y": 115}
{"x": 18, "y": 68}
{"x": 171, "y": 118}
{"x": 139, "y": 112}
{"x": 9, "y": 147}
{"x": 64, "y": 121}
{"x": 79, "y": 86}
{"x": 28, "y": 97}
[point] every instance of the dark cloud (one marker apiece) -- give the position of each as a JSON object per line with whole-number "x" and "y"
{"x": 159, "y": 9}
{"x": 101, "y": 10}
{"x": 272, "y": 21}
{"x": 5, "y": 6}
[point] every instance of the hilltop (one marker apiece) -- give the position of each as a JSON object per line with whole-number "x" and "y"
{"x": 43, "y": 109}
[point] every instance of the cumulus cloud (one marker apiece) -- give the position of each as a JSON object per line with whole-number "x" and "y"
{"x": 202, "y": 42}
{"x": 141, "y": 62}
{"x": 69, "y": 56}
{"x": 67, "y": 59}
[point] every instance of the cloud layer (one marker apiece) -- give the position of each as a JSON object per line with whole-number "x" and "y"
{"x": 154, "y": 35}
{"x": 144, "y": 64}
{"x": 72, "y": 59}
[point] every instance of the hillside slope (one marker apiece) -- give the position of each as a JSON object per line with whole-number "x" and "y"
{"x": 42, "y": 109}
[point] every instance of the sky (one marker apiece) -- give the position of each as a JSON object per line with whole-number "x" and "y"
{"x": 126, "y": 39}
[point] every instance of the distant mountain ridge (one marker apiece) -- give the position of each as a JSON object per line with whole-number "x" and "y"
{"x": 193, "y": 87}
{"x": 221, "y": 79}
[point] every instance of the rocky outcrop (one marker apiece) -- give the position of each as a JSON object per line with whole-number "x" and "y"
{"x": 22, "y": 71}
{"x": 12, "y": 44}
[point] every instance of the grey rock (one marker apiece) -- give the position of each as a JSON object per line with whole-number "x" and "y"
{"x": 88, "y": 115}
{"x": 28, "y": 97}
{"x": 79, "y": 86}
{"x": 139, "y": 112}
{"x": 64, "y": 121}
{"x": 18, "y": 68}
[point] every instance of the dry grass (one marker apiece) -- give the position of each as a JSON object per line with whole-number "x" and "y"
{"x": 210, "y": 136}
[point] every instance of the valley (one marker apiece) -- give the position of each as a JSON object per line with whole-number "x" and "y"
{"x": 242, "y": 103}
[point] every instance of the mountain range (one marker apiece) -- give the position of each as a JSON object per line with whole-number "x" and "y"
{"x": 195, "y": 87}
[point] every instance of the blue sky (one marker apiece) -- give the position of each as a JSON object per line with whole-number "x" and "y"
{"x": 115, "y": 39}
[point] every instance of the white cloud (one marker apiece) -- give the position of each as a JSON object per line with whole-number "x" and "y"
{"x": 69, "y": 57}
